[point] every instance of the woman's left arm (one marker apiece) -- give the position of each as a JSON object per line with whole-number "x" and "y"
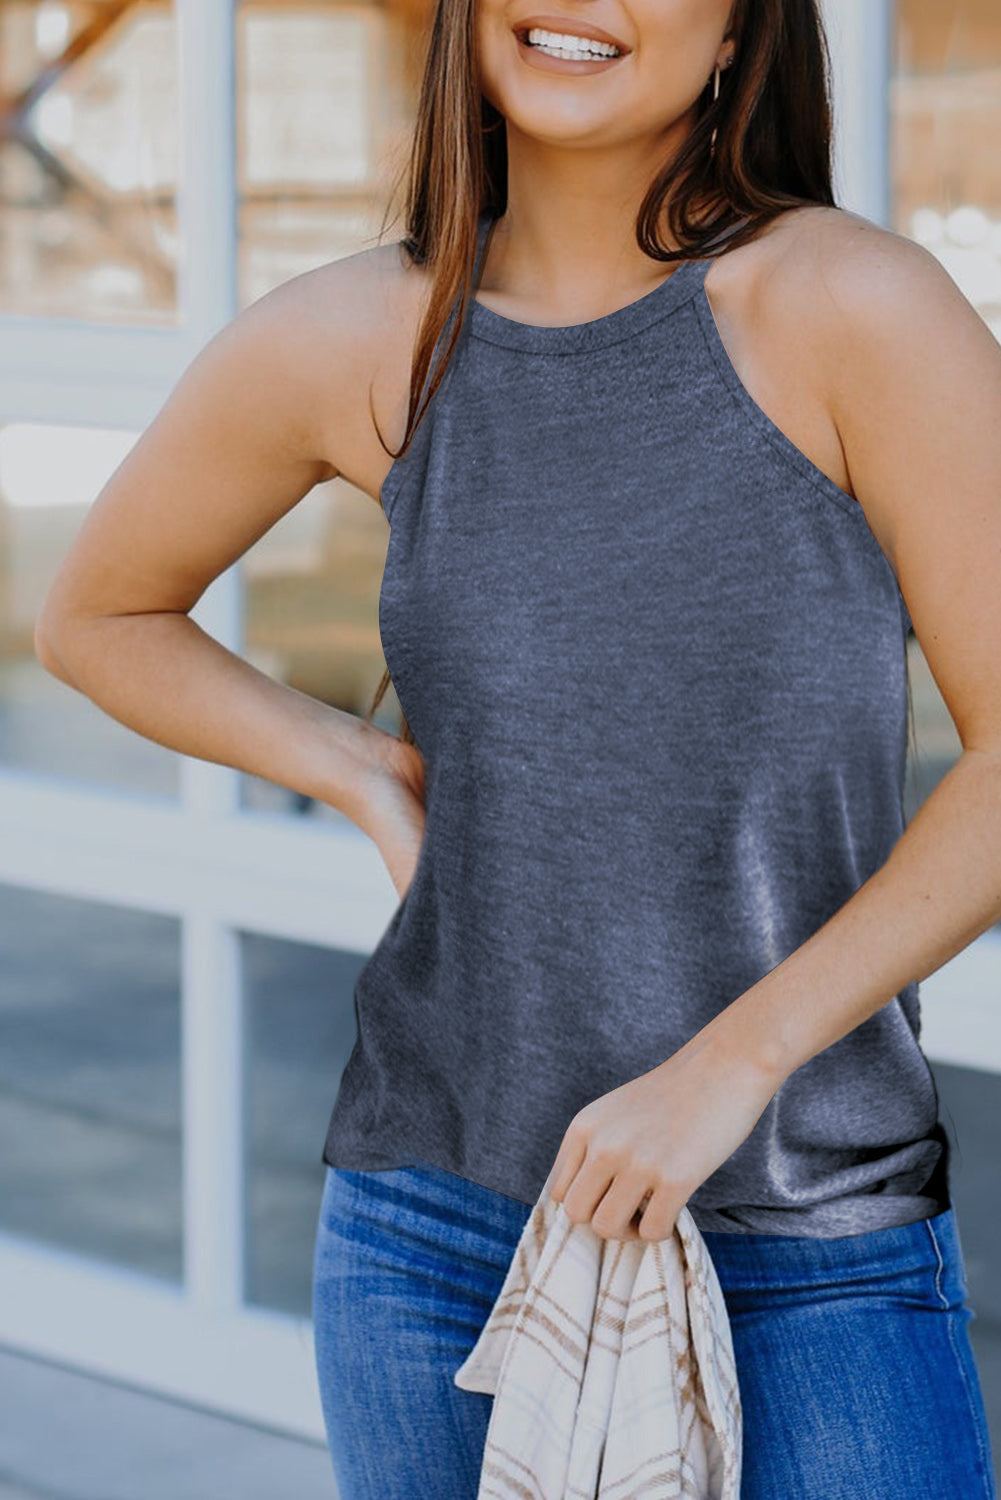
{"x": 914, "y": 378}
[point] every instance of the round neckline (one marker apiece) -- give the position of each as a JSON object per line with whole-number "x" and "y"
{"x": 569, "y": 338}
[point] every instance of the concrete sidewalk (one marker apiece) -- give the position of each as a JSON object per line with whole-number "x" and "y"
{"x": 67, "y": 1436}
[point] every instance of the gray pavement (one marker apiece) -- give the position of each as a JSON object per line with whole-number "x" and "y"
{"x": 67, "y": 1436}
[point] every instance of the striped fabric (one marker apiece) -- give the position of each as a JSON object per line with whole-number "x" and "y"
{"x": 611, "y": 1366}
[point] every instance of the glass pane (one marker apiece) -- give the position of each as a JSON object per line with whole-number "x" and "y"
{"x": 946, "y": 123}
{"x": 311, "y": 612}
{"x": 89, "y": 160}
{"x": 945, "y": 111}
{"x": 48, "y": 477}
{"x": 90, "y": 1115}
{"x": 325, "y": 93}
{"x": 301, "y": 1028}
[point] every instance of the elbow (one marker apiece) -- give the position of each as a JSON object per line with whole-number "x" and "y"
{"x": 48, "y": 651}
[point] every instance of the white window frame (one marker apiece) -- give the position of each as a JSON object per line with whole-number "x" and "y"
{"x": 218, "y": 868}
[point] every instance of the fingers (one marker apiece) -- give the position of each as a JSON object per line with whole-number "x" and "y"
{"x": 616, "y": 1205}
{"x": 617, "y": 1215}
{"x": 600, "y": 1188}
{"x": 660, "y": 1214}
{"x": 569, "y": 1159}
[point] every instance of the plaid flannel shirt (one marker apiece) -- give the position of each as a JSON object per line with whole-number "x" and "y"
{"x": 611, "y": 1366}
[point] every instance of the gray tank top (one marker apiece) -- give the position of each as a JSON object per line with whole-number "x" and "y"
{"x": 654, "y": 660}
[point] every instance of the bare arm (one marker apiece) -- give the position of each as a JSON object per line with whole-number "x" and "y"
{"x": 244, "y": 435}
{"x": 915, "y": 381}
{"x": 915, "y": 385}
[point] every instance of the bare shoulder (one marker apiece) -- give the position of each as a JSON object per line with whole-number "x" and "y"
{"x": 350, "y": 325}
{"x": 887, "y": 315}
{"x": 866, "y": 292}
{"x": 910, "y": 370}
{"x": 831, "y": 272}
{"x": 762, "y": 295}
{"x": 815, "y": 239}
{"x": 915, "y": 384}
{"x": 844, "y": 315}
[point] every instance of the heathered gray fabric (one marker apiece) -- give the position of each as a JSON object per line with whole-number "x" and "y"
{"x": 655, "y": 662}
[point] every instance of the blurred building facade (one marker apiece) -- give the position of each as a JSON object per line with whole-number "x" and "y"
{"x": 179, "y": 941}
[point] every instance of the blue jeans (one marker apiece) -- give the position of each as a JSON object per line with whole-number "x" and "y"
{"x": 857, "y": 1378}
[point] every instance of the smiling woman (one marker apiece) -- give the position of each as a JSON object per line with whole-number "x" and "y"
{"x": 644, "y": 608}
{"x": 675, "y": 477}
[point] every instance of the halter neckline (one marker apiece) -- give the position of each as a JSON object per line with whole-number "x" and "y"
{"x": 570, "y": 338}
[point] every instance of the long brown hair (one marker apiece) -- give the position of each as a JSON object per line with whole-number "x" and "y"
{"x": 773, "y": 123}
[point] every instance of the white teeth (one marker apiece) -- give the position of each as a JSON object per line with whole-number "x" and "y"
{"x": 565, "y": 45}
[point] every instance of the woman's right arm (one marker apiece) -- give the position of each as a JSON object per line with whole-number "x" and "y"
{"x": 272, "y": 405}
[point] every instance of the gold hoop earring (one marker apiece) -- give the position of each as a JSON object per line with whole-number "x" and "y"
{"x": 712, "y": 138}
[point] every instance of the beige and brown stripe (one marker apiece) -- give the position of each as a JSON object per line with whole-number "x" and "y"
{"x": 611, "y": 1366}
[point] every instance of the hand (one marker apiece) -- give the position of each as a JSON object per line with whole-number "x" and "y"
{"x": 394, "y": 815}
{"x": 658, "y": 1137}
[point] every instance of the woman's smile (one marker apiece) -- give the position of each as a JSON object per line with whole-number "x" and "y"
{"x": 566, "y": 47}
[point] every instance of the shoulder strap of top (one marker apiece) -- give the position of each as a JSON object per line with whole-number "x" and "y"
{"x": 484, "y": 221}
{"x": 693, "y": 272}
{"x": 483, "y": 227}
{"x": 483, "y": 224}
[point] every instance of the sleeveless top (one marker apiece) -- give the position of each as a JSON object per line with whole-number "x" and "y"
{"x": 654, "y": 661}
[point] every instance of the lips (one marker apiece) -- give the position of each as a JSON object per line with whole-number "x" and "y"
{"x": 567, "y": 27}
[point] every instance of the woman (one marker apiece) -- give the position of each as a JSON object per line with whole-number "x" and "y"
{"x": 656, "y": 544}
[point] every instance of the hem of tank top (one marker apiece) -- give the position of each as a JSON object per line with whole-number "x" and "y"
{"x": 417, "y": 1159}
{"x": 783, "y": 446}
{"x": 413, "y": 1160}
{"x": 944, "y": 1163}
{"x": 936, "y": 1209}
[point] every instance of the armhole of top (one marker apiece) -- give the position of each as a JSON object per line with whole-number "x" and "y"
{"x": 783, "y": 447}
{"x": 399, "y": 469}
{"x": 905, "y": 614}
{"x": 759, "y": 418}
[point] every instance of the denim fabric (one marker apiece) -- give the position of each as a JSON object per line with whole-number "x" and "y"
{"x": 856, "y": 1373}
